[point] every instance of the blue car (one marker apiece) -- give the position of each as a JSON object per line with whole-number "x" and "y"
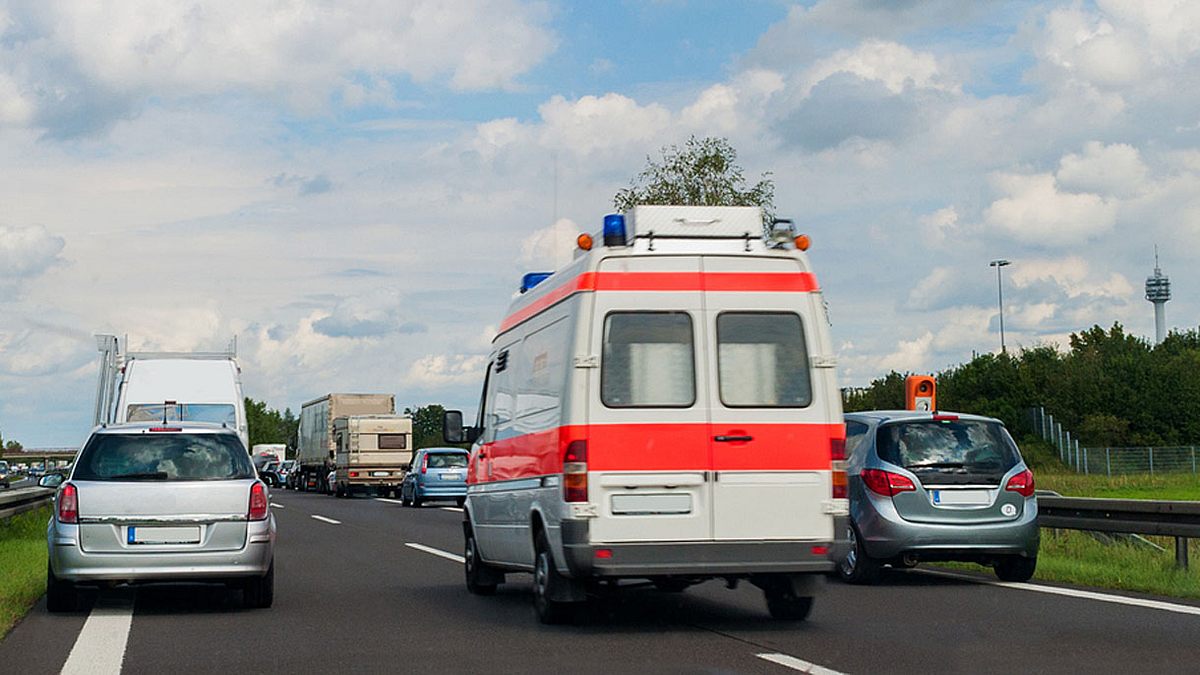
{"x": 436, "y": 473}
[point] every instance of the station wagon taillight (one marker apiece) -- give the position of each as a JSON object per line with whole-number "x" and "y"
{"x": 886, "y": 483}
{"x": 258, "y": 502}
{"x": 68, "y": 504}
{"x": 1021, "y": 483}
{"x": 575, "y": 486}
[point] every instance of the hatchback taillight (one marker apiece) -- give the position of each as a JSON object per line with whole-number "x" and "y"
{"x": 575, "y": 480}
{"x": 1021, "y": 483}
{"x": 258, "y": 502}
{"x": 425, "y": 464}
{"x": 886, "y": 483}
{"x": 68, "y": 504}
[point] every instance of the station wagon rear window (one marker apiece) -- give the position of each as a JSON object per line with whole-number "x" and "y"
{"x": 163, "y": 456}
{"x": 949, "y": 446}
{"x": 648, "y": 360}
{"x": 762, "y": 360}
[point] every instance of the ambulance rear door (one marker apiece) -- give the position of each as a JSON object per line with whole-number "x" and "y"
{"x": 771, "y": 419}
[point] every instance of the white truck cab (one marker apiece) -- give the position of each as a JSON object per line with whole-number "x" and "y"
{"x": 665, "y": 407}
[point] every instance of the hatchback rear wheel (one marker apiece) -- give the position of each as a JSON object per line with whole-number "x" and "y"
{"x": 1015, "y": 568}
{"x": 858, "y": 567}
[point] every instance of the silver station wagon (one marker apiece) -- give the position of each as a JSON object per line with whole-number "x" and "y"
{"x": 149, "y": 503}
{"x": 937, "y": 487}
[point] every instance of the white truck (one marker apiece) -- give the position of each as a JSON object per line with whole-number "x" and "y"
{"x": 169, "y": 387}
{"x": 316, "y": 448}
{"x": 374, "y": 452}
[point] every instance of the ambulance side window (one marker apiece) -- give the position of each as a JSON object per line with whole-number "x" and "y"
{"x": 504, "y": 391}
{"x": 762, "y": 360}
{"x": 648, "y": 360}
{"x": 481, "y": 417}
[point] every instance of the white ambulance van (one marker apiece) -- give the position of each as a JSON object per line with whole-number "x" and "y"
{"x": 664, "y": 408}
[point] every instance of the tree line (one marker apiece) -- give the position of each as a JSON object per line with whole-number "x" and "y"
{"x": 1109, "y": 388}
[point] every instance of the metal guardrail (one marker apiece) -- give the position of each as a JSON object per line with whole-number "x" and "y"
{"x": 1124, "y": 516}
{"x": 19, "y": 501}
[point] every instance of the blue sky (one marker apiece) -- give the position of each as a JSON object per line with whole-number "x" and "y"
{"x": 355, "y": 188}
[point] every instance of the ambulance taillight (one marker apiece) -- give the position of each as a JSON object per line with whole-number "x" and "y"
{"x": 575, "y": 485}
{"x": 837, "y": 455}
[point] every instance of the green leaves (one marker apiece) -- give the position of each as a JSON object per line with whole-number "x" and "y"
{"x": 268, "y": 425}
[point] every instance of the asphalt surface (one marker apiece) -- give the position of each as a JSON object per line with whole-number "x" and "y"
{"x": 355, "y": 597}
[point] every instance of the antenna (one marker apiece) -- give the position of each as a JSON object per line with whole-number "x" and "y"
{"x": 1158, "y": 292}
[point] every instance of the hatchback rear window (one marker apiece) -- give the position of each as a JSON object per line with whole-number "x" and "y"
{"x": 447, "y": 461}
{"x": 167, "y": 456}
{"x": 947, "y": 445}
{"x": 648, "y": 360}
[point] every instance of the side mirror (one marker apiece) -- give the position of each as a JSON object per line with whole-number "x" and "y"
{"x": 51, "y": 480}
{"x": 452, "y": 427}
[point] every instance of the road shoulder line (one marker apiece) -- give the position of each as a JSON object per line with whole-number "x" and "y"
{"x": 797, "y": 664}
{"x": 100, "y": 647}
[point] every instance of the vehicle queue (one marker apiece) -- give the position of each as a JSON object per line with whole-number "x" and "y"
{"x": 663, "y": 409}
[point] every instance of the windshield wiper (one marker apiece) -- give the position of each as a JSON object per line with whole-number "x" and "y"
{"x": 936, "y": 465}
{"x": 152, "y": 475}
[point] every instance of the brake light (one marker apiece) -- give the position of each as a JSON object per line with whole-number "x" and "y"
{"x": 354, "y": 474}
{"x": 942, "y": 417}
{"x": 68, "y": 504}
{"x": 425, "y": 464}
{"x": 1021, "y": 483}
{"x": 886, "y": 483}
{"x": 166, "y": 429}
{"x": 575, "y": 486}
{"x": 258, "y": 502}
{"x": 837, "y": 456}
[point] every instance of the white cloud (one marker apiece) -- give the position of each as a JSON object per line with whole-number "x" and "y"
{"x": 909, "y": 356}
{"x": 940, "y": 225}
{"x": 601, "y": 123}
{"x": 27, "y": 251}
{"x": 1036, "y": 212}
{"x": 551, "y": 247}
{"x": 894, "y": 65}
{"x": 1115, "y": 170}
{"x": 442, "y": 370}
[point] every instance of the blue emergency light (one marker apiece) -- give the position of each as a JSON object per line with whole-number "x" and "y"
{"x": 614, "y": 230}
{"x": 533, "y": 279}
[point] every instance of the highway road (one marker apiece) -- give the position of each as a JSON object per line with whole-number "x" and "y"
{"x": 365, "y": 585}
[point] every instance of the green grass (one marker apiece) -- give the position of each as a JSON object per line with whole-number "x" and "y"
{"x": 23, "y": 559}
{"x": 1179, "y": 486}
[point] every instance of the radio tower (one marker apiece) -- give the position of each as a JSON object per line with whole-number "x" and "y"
{"x": 1158, "y": 291}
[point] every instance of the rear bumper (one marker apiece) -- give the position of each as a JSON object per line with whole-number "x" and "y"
{"x": 886, "y": 535}
{"x": 459, "y": 490}
{"x": 700, "y": 559}
{"x": 71, "y": 563}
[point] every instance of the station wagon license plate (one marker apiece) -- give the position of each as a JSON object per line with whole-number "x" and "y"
{"x": 960, "y": 497}
{"x": 452, "y": 476}
{"x": 163, "y": 535}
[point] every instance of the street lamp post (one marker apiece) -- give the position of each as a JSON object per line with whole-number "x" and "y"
{"x": 998, "y": 263}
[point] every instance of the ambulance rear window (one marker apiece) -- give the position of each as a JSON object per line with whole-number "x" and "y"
{"x": 762, "y": 360}
{"x": 648, "y": 360}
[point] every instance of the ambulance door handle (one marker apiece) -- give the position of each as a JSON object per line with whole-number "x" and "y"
{"x": 733, "y": 439}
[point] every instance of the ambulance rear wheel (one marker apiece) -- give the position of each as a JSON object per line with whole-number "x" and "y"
{"x": 784, "y": 604}
{"x": 480, "y": 576}
{"x": 546, "y": 583}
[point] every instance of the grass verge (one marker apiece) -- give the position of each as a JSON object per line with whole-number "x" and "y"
{"x": 23, "y": 559}
{"x": 1184, "y": 486}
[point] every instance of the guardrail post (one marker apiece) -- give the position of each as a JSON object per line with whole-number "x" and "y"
{"x": 1085, "y": 462}
{"x": 1108, "y": 461}
{"x": 1193, "y": 459}
{"x": 1181, "y": 552}
{"x": 1151, "y": 451}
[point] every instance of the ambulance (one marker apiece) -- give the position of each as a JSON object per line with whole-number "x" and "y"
{"x": 663, "y": 409}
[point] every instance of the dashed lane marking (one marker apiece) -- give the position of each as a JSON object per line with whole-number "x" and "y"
{"x": 323, "y": 519}
{"x": 456, "y": 509}
{"x": 435, "y": 551}
{"x": 276, "y": 506}
{"x": 797, "y": 664}
{"x": 390, "y": 501}
{"x": 100, "y": 647}
{"x": 1072, "y": 593}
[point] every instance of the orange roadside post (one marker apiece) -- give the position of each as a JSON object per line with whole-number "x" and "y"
{"x": 920, "y": 393}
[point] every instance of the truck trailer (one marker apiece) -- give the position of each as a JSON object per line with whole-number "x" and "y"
{"x": 316, "y": 448}
{"x": 374, "y": 453}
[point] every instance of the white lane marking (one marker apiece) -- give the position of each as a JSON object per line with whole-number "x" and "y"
{"x": 276, "y": 506}
{"x": 1072, "y": 593}
{"x": 797, "y": 664}
{"x": 100, "y": 647}
{"x": 451, "y": 508}
{"x": 323, "y": 519}
{"x": 390, "y": 501}
{"x": 435, "y": 551}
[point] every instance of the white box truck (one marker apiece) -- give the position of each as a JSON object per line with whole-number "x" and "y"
{"x": 316, "y": 447}
{"x": 374, "y": 453}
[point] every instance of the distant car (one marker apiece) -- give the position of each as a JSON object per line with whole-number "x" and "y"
{"x": 295, "y": 476}
{"x": 148, "y": 503}
{"x": 436, "y": 473}
{"x": 285, "y": 471}
{"x": 4, "y": 475}
{"x": 937, "y": 487}
{"x": 269, "y": 473}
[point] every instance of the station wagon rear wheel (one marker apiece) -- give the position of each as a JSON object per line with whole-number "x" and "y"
{"x": 61, "y": 596}
{"x": 259, "y": 592}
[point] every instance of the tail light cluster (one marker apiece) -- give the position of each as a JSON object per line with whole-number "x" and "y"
{"x": 575, "y": 479}
{"x": 837, "y": 453}
{"x": 258, "y": 502}
{"x": 68, "y": 504}
{"x": 1021, "y": 483}
{"x": 886, "y": 483}
{"x": 425, "y": 464}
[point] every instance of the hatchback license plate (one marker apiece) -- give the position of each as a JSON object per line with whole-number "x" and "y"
{"x": 960, "y": 497}
{"x": 452, "y": 476}
{"x": 163, "y": 535}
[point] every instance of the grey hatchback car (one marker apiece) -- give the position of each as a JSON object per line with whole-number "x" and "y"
{"x": 155, "y": 503}
{"x": 937, "y": 487}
